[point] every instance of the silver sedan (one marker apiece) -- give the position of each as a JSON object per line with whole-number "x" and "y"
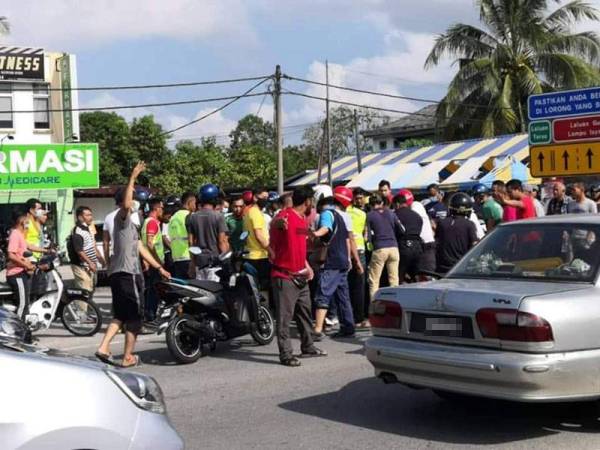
{"x": 517, "y": 318}
{"x": 54, "y": 400}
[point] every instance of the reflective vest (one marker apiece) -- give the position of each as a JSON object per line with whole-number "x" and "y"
{"x": 33, "y": 236}
{"x": 180, "y": 247}
{"x": 159, "y": 247}
{"x": 359, "y": 222}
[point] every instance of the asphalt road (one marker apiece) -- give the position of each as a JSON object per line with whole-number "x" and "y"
{"x": 241, "y": 397}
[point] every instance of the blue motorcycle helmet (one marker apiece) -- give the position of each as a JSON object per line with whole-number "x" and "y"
{"x": 479, "y": 189}
{"x": 209, "y": 194}
{"x": 273, "y": 196}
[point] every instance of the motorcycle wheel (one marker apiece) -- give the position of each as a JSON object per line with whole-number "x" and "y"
{"x": 264, "y": 330}
{"x": 185, "y": 347}
{"x": 81, "y": 317}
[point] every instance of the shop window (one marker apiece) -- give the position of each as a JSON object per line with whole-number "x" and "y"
{"x": 382, "y": 145}
{"x": 41, "y": 106}
{"x": 6, "y": 106}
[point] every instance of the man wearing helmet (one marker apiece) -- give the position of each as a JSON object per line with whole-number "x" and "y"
{"x": 455, "y": 234}
{"x": 490, "y": 209}
{"x": 207, "y": 230}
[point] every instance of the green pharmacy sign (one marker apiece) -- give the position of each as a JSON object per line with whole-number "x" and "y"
{"x": 48, "y": 166}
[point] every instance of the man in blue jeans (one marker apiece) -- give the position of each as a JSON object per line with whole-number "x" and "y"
{"x": 333, "y": 275}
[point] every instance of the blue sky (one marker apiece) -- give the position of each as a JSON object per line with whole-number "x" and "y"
{"x": 377, "y": 45}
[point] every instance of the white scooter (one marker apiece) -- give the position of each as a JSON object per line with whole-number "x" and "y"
{"x": 49, "y": 299}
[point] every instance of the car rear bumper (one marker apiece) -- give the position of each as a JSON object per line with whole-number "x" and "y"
{"x": 499, "y": 374}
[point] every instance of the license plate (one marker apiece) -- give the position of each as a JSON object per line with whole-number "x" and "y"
{"x": 437, "y": 325}
{"x": 166, "y": 313}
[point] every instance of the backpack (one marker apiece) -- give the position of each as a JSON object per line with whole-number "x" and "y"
{"x": 71, "y": 253}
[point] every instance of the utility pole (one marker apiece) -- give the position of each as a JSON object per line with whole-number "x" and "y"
{"x": 356, "y": 143}
{"x": 320, "y": 162}
{"x": 327, "y": 124}
{"x": 278, "y": 128}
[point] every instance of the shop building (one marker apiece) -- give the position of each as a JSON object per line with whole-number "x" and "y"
{"x": 40, "y": 156}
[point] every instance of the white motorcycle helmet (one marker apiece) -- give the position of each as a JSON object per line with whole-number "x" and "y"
{"x": 320, "y": 192}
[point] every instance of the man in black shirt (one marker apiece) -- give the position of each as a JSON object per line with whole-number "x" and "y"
{"x": 456, "y": 234}
{"x": 410, "y": 244}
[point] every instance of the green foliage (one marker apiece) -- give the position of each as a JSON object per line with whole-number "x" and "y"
{"x": 341, "y": 130}
{"x": 520, "y": 50}
{"x": 252, "y": 131}
{"x": 415, "y": 142}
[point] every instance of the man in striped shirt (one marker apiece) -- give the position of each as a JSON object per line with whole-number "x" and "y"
{"x": 85, "y": 257}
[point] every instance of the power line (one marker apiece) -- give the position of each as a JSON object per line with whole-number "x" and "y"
{"x": 362, "y": 91}
{"x": 225, "y": 133}
{"x": 376, "y": 108}
{"x": 148, "y": 86}
{"x": 389, "y": 77}
{"x": 247, "y": 93}
{"x": 146, "y": 105}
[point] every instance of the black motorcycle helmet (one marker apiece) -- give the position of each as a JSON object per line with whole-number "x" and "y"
{"x": 460, "y": 204}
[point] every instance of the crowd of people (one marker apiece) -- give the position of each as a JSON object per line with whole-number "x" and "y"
{"x": 320, "y": 254}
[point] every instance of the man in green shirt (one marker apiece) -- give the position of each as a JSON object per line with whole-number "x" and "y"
{"x": 235, "y": 223}
{"x": 492, "y": 211}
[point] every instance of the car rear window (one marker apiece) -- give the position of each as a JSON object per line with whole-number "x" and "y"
{"x": 539, "y": 251}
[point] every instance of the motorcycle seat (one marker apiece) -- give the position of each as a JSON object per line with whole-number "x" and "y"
{"x": 207, "y": 285}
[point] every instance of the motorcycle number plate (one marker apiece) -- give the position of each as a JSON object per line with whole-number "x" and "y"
{"x": 166, "y": 313}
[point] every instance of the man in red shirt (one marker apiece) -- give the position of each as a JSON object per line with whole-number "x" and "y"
{"x": 518, "y": 199}
{"x": 291, "y": 272}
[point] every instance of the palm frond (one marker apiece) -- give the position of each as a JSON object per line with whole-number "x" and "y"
{"x": 461, "y": 41}
{"x": 585, "y": 45}
{"x": 568, "y": 15}
{"x": 4, "y": 25}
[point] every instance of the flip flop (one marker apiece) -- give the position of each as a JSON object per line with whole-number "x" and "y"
{"x": 137, "y": 362}
{"x": 105, "y": 358}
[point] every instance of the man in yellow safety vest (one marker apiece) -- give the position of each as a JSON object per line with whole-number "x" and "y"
{"x": 178, "y": 236}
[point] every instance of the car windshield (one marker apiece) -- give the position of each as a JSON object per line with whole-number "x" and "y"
{"x": 539, "y": 251}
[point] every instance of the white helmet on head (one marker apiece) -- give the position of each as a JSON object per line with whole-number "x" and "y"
{"x": 321, "y": 191}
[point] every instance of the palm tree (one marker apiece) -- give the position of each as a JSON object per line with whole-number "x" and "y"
{"x": 4, "y": 26}
{"x": 522, "y": 49}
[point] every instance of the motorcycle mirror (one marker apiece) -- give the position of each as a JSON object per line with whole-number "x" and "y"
{"x": 195, "y": 251}
{"x": 27, "y": 254}
{"x": 243, "y": 236}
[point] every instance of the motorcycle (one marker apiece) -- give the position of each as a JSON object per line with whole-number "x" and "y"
{"x": 50, "y": 299}
{"x": 198, "y": 313}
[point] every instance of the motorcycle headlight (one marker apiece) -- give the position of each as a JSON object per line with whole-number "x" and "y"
{"x": 142, "y": 390}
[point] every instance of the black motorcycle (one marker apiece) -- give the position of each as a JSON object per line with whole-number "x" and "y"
{"x": 199, "y": 313}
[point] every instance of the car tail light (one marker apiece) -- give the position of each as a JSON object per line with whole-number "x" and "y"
{"x": 513, "y": 325}
{"x": 385, "y": 314}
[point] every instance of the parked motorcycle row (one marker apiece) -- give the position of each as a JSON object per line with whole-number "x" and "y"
{"x": 193, "y": 314}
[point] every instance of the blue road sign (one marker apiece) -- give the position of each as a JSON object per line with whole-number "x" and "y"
{"x": 564, "y": 103}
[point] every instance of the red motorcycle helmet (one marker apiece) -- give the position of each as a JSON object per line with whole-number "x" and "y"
{"x": 410, "y": 198}
{"x": 248, "y": 197}
{"x": 343, "y": 195}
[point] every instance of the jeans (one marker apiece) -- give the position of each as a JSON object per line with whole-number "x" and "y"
{"x": 356, "y": 283}
{"x": 383, "y": 257}
{"x": 333, "y": 287}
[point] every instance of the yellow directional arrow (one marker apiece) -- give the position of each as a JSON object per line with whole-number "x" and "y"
{"x": 564, "y": 160}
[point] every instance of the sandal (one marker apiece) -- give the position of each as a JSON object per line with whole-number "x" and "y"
{"x": 137, "y": 362}
{"x": 291, "y": 362}
{"x": 106, "y": 358}
{"x": 313, "y": 352}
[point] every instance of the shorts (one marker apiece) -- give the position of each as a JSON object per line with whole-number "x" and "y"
{"x": 127, "y": 297}
{"x": 427, "y": 260}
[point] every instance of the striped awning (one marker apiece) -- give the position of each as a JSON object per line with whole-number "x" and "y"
{"x": 396, "y": 174}
{"x": 346, "y": 168}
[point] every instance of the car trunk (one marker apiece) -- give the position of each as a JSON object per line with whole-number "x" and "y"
{"x": 445, "y": 310}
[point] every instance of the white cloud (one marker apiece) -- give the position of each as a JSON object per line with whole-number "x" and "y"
{"x": 66, "y": 24}
{"x": 217, "y": 125}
